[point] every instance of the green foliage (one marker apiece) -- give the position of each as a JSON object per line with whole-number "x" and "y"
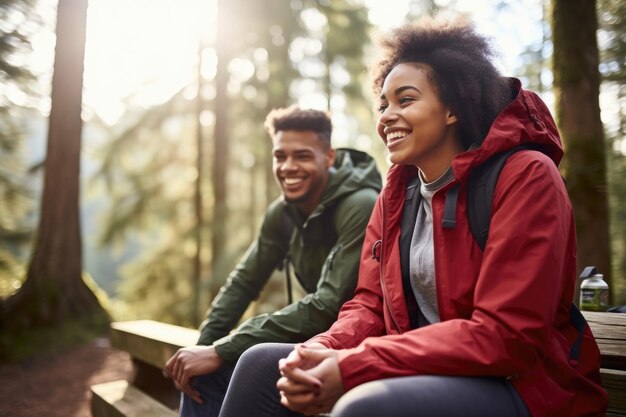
{"x": 17, "y": 22}
{"x": 157, "y": 285}
{"x": 148, "y": 173}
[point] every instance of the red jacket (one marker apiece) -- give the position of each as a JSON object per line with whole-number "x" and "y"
{"x": 505, "y": 311}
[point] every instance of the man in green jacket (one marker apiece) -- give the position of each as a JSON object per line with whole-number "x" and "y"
{"x": 318, "y": 225}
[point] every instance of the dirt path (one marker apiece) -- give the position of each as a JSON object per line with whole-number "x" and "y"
{"x": 58, "y": 385}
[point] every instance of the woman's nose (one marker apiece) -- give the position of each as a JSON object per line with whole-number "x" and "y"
{"x": 387, "y": 117}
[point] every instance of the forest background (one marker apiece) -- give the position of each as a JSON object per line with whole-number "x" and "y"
{"x": 153, "y": 192}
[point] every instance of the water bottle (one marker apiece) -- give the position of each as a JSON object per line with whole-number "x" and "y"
{"x": 594, "y": 291}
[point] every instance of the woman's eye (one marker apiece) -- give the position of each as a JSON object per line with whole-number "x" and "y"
{"x": 404, "y": 100}
{"x": 382, "y": 108}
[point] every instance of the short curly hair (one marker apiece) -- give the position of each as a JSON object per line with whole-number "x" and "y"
{"x": 458, "y": 63}
{"x": 295, "y": 118}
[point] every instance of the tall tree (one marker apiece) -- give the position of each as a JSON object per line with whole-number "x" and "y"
{"x": 220, "y": 136}
{"x": 577, "y": 88}
{"x": 54, "y": 290}
{"x": 612, "y": 29}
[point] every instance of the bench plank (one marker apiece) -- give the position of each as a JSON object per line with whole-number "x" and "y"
{"x": 614, "y": 382}
{"x": 151, "y": 341}
{"x": 119, "y": 399}
{"x": 609, "y": 330}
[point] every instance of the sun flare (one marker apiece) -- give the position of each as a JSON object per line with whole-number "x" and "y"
{"x": 141, "y": 52}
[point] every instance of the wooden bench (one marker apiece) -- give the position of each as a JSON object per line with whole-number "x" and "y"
{"x": 147, "y": 393}
{"x": 151, "y": 343}
{"x": 609, "y": 329}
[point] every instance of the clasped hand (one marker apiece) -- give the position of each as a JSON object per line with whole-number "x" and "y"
{"x": 311, "y": 380}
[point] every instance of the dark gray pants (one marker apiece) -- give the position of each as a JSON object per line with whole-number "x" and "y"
{"x": 252, "y": 392}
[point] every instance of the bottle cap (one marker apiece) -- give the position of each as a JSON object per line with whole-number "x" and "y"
{"x": 589, "y": 271}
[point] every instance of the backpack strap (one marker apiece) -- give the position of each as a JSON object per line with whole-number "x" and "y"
{"x": 480, "y": 189}
{"x": 579, "y": 322}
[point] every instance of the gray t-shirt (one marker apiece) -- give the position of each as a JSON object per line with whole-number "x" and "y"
{"x": 421, "y": 259}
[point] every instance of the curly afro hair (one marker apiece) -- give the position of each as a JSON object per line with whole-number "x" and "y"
{"x": 458, "y": 64}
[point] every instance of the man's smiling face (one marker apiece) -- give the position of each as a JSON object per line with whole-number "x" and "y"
{"x": 301, "y": 161}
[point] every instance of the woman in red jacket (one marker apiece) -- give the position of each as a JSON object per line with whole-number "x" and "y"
{"x": 437, "y": 326}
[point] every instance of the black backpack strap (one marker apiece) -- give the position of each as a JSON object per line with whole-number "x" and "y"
{"x": 449, "y": 208}
{"x": 579, "y": 322}
{"x": 480, "y": 189}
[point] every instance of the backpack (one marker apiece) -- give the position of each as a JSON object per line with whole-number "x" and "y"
{"x": 480, "y": 190}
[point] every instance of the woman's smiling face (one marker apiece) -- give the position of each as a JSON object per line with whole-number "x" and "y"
{"x": 416, "y": 126}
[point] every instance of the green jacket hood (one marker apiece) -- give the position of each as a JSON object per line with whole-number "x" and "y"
{"x": 352, "y": 170}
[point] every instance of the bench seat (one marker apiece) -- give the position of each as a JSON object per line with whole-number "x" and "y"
{"x": 120, "y": 399}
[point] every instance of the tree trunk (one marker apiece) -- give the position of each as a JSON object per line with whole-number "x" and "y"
{"x": 577, "y": 88}
{"x": 220, "y": 146}
{"x": 198, "y": 203}
{"x": 54, "y": 289}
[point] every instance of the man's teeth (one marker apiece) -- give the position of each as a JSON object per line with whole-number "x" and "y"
{"x": 396, "y": 135}
{"x": 291, "y": 181}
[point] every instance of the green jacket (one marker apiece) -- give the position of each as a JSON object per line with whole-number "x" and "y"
{"x": 325, "y": 250}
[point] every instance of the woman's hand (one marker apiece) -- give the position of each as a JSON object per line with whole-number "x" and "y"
{"x": 317, "y": 387}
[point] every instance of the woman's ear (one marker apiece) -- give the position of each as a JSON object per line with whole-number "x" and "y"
{"x": 451, "y": 118}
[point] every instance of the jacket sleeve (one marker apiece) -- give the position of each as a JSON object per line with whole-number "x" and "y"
{"x": 362, "y": 316}
{"x": 248, "y": 278}
{"x": 315, "y": 312}
{"x": 523, "y": 276}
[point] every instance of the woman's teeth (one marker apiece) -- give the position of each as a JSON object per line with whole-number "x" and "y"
{"x": 396, "y": 135}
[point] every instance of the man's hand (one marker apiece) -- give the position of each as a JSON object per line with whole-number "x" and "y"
{"x": 314, "y": 390}
{"x": 189, "y": 362}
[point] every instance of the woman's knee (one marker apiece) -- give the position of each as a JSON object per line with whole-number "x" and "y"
{"x": 265, "y": 353}
{"x": 366, "y": 400}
